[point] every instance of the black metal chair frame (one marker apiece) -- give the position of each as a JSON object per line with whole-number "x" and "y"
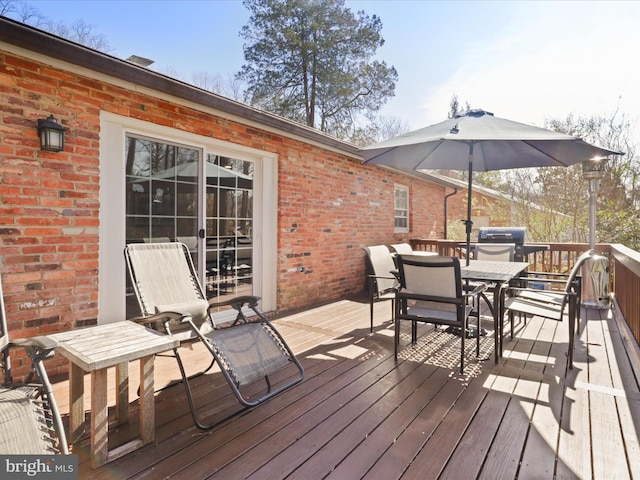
{"x": 461, "y": 301}
{"x": 552, "y": 304}
{"x": 376, "y": 281}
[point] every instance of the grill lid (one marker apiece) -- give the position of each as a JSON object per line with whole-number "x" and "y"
{"x": 517, "y": 235}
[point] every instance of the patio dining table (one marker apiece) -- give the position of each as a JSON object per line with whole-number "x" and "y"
{"x": 497, "y": 274}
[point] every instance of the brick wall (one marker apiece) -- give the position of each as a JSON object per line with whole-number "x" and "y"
{"x": 329, "y": 204}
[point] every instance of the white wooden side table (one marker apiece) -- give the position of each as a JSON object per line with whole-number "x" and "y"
{"x": 95, "y": 349}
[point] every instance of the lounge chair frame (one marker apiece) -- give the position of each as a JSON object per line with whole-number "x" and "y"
{"x": 249, "y": 336}
{"x": 30, "y": 421}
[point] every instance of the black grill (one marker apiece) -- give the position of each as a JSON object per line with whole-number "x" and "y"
{"x": 516, "y": 235}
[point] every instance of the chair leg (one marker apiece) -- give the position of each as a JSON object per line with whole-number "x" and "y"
{"x": 396, "y": 338}
{"x": 479, "y": 327}
{"x": 371, "y": 312}
{"x": 572, "y": 328}
{"x": 191, "y": 401}
{"x": 464, "y": 334}
{"x": 393, "y": 309}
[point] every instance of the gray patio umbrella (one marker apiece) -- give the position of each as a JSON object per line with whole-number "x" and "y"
{"x": 478, "y": 141}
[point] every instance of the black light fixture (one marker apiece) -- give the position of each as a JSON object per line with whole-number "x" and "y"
{"x": 51, "y": 135}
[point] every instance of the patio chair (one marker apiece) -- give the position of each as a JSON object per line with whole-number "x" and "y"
{"x": 249, "y": 351}
{"x": 402, "y": 249}
{"x": 431, "y": 291}
{"x": 502, "y": 252}
{"x": 547, "y": 303}
{"x": 382, "y": 284}
{"x": 497, "y": 252}
{"x": 30, "y": 422}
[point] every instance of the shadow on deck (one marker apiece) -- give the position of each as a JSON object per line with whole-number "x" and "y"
{"x": 359, "y": 414}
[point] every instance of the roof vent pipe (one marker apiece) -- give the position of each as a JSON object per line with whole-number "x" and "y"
{"x": 140, "y": 61}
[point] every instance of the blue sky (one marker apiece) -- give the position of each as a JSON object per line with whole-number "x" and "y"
{"x": 521, "y": 60}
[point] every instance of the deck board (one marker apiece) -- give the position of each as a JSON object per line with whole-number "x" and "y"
{"x": 360, "y": 414}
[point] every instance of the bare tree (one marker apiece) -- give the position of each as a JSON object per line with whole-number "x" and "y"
{"x": 376, "y": 129}
{"x": 82, "y": 33}
{"x": 553, "y": 202}
{"x": 456, "y": 109}
{"x": 79, "y": 31}
{"x": 22, "y": 12}
{"x": 228, "y": 86}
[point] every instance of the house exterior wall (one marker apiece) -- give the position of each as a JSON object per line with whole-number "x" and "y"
{"x": 494, "y": 211}
{"x": 329, "y": 205}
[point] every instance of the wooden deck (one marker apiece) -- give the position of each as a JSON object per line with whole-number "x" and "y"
{"x": 359, "y": 414}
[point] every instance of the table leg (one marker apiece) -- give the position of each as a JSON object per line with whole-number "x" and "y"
{"x": 76, "y": 403}
{"x": 99, "y": 418}
{"x": 122, "y": 396}
{"x": 147, "y": 400}
{"x": 497, "y": 323}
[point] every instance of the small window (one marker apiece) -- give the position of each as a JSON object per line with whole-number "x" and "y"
{"x": 401, "y": 209}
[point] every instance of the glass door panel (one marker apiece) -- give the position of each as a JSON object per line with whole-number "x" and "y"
{"x": 163, "y": 201}
{"x": 229, "y": 241}
{"x": 162, "y": 197}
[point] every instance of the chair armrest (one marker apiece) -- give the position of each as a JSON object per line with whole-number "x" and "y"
{"x": 40, "y": 342}
{"x": 550, "y": 274}
{"x": 540, "y": 280}
{"x": 539, "y": 274}
{"x": 250, "y": 300}
{"x": 536, "y": 290}
{"x": 38, "y": 348}
{"x": 478, "y": 289}
{"x": 405, "y": 295}
{"x": 159, "y": 319}
{"x": 394, "y": 276}
{"x": 43, "y": 345}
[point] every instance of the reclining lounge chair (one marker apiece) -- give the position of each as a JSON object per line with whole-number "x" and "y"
{"x": 30, "y": 422}
{"x": 247, "y": 350}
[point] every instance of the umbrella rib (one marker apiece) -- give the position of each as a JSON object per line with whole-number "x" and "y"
{"x": 559, "y": 162}
{"x": 384, "y": 152}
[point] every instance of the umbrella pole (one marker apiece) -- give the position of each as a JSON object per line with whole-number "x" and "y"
{"x": 468, "y": 222}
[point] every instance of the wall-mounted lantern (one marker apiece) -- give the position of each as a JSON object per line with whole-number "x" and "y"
{"x": 51, "y": 135}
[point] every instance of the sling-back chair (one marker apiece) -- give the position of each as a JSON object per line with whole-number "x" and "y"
{"x": 431, "y": 291}
{"x": 497, "y": 252}
{"x": 549, "y": 303}
{"x": 247, "y": 350}
{"x": 30, "y": 422}
{"x": 382, "y": 284}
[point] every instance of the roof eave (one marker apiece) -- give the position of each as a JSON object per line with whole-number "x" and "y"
{"x": 44, "y": 43}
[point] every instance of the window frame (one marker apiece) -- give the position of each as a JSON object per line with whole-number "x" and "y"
{"x": 111, "y": 230}
{"x": 404, "y": 189}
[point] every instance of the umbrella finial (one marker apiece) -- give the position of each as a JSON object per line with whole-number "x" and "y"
{"x": 454, "y": 129}
{"x": 478, "y": 112}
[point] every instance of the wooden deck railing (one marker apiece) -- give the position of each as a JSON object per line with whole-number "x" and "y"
{"x": 559, "y": 258}
{"x": 625, "y": 264}
{"x": 624, "y": 269}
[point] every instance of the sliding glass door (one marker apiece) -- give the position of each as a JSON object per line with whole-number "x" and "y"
{"x": 178, "y": 193}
